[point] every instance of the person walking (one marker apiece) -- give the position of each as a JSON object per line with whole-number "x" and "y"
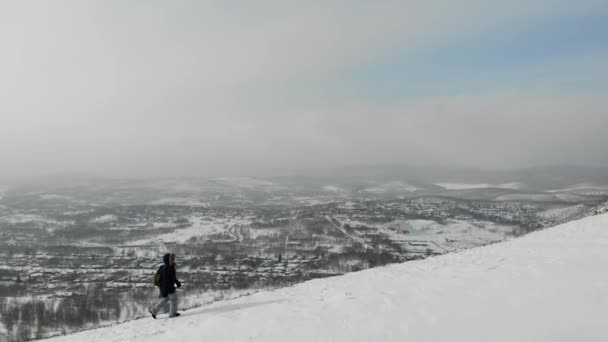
{"x": 166, "y": 280}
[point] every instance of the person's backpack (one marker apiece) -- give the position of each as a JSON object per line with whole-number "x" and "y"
{"x": 157, "y": 276}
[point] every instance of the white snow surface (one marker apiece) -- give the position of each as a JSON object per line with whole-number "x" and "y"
{"x": 105, "y": 219}
{"x": 180, "y": 201}
{"x": 585, "y": 189}
{"x": 35, "y": 220}
{"x": 391, "y": 186}
{"x": 466, "y": 186}
{"x": 562, "y": 213}
{"x": 332, "y": 188}
{"x": 527, "y": 197}
{"x": 550, "y": 285}
{"x": 199, "y": 227}
{"x": 448, "y": 236}
{"x": 311, "y": 200}
{"x": 248, "y": 183}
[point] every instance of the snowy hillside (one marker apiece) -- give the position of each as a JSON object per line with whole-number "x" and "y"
{"x": 550, "y": 285}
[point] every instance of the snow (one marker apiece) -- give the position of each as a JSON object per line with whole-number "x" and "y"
{"x": 22, "y": 218}
{"x": 449, "y": 235}
{"x": 310, "y": 201}
{"x": 571, "y": 197}
{"x": 50, "y": 197}
{"x": 199, "y": 227}
{"x": 35, "y": 221}
{"x": 391, "y": 186}
{"x": 456, "y": 234}
{"x": 349, "y": 205}
{"x": 77, "y": 212}
{"x": 528, "y": 197}
{"x": 105, "y": 219}
{"x": 375, "y": 190}
{"x": 400, "y": 186}
{"x": 180, "y": 201}
{"x": 467, "y": 186}
{"x": 562, "y": 213}
{"x": 332, "y": 188}
{"x": 601, "y": 209}
{"x": 547, "y": 286}
{"x": 247, "y": 182}
{"x": 255, "y": 233}
{"x": 583, "y": 188}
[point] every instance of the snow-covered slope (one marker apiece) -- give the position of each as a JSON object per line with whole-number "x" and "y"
{"x": 466, "y": 186}
{"x": 550, "y": 285}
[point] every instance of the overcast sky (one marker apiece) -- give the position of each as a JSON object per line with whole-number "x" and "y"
{"x": 128, "y": 88}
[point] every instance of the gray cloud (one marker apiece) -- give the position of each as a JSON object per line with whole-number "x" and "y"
{"x": 169, "y": 88}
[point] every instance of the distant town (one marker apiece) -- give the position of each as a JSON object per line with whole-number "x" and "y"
{"x": 68, "y": 248}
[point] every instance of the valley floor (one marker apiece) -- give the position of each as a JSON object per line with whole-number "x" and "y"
{"x": 550, "y": 285}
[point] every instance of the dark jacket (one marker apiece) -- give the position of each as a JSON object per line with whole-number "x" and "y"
{"x": 168, "y": 278}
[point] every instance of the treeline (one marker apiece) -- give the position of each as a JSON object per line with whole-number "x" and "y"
{"x": 27, "y": 317}
{"x": 37, "y": 317}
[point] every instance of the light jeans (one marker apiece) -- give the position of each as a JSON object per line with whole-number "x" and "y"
{"x": 172, "y": 299}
